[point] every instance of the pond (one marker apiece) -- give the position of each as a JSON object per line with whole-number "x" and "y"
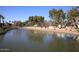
{"x": 20, "y": 40}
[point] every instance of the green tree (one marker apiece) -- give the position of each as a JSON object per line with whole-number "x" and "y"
{"x": 32, "y": 20}
{"x": 71, "y": 14}
{"x": 19, "y": 23}
{"x": 57, "y": 16}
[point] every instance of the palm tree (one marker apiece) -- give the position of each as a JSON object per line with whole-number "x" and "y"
{"x": 2, "y": 18}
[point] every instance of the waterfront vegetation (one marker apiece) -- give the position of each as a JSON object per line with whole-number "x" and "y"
{"x": 58, "y": 18}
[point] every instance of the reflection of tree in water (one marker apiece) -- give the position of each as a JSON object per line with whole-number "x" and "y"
{"x": 59, "y": 44}
{"x": 47, "y": 38}
{"x": 35, "y": 36}
{"x": 19, "y": 33}
{"x": 56, "y": 45}
{"x": 71, "y": 43}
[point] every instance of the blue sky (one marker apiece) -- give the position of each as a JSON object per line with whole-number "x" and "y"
{"x": 13, "y": 13}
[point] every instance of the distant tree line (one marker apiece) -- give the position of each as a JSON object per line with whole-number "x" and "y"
{"x": 32, "y": 20}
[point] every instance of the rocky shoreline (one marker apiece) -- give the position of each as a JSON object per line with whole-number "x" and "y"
{"x": 52, "y": 29}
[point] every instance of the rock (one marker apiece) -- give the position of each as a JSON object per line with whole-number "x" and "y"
{"x": 51, "y": 27}
{"x": 59, "y": 26}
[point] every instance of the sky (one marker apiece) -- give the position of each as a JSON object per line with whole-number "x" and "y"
{"x": 21, "y": 13}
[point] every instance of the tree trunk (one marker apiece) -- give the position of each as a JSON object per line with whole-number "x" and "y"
{"x": 0, "y": 20}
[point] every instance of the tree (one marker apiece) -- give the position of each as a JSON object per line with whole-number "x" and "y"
{"x": 2, "y": 18}
{"x": 32, "y": 20}
{"x": 57, "y": 16}
{"x": 71, "y": 15}
{"x": 19, "y": 23}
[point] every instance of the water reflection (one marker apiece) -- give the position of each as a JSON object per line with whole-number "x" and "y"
{"x": 64, "y": 43}
{"x": 1, "y": 36}
{"x": 29, "y": 40}
{"x": 35, "y": 36}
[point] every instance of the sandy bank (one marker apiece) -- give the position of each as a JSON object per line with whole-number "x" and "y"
{"x": 62, "y": 30}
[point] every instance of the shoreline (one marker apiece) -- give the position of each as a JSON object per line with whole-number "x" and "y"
{"x": 55, "y": 30}
{"x": 5, "y": 31}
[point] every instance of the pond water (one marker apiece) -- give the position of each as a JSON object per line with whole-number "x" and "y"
{"x": 19, "y": 40}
